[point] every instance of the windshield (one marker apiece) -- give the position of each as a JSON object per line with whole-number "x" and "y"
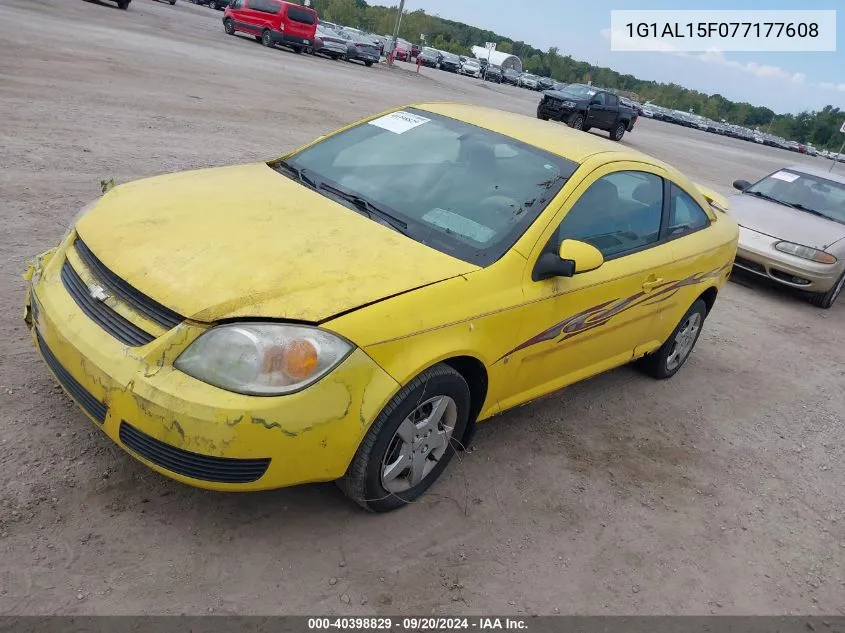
{"x": 805, "y": 192}
{"x": 455, "y": 187}
{"x": 449, "y": 57}
{"x": 578, "y": 90}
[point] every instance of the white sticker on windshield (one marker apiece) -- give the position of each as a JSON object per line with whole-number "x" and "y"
{"x": 459, "y": 224}
{"x": 785, "y": 175}
{"x": 399, "y": 122}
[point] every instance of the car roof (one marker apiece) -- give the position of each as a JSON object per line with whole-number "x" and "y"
{"x": 821, "y": 173}
{"x": 572, "y": 144}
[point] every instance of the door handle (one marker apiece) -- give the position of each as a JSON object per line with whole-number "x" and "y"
{"x": 652, "y": 283}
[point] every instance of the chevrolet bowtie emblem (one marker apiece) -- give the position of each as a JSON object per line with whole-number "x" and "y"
{"x": 98, "y": 293}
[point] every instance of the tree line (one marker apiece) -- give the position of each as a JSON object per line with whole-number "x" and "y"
{"x": 820, "y": 128}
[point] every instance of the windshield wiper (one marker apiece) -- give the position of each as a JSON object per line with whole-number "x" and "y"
{"x": 300, "y": 174}
{"x": 372, "y": 210}
{"x": 798, "y": 205}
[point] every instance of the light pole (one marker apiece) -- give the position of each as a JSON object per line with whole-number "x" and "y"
{"x": 396, "y": 30}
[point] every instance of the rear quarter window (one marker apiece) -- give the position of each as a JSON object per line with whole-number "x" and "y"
{"x": 304, "y": 16}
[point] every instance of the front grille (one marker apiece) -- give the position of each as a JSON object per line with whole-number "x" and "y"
{"x": 747, "y": 264}
{"x": 123, "y": 330}
{"x": 225, "y": 470}
{"x": 92, "y": 406}
{"x": 153, "y": 310}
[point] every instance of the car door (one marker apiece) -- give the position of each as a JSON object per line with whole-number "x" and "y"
{"x": 239, "y": 12}
{"x": 596, "y": 115}
{"x": 581, "y": 325}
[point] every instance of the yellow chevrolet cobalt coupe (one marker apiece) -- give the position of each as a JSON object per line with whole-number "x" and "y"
{"x": 352, "y": 310}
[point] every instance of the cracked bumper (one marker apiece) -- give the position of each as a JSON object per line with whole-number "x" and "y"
{"x": 176, "y": 424}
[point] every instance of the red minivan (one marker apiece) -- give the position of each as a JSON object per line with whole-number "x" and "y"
{"x": 273, "y": 22}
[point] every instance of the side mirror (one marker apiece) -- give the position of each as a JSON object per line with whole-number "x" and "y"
{"x": 573, "y": 257}
{"x": 586, "y": 257}
{"x": 742, "y": 185}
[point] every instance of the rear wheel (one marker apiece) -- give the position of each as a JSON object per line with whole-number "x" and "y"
{"x": 123, "y": 4}
{"x": 618, "y": 131}
{"x": 411, "y": 442}
{"x": 368, "y": 64}
{"x": 267, "y": 38}
{"x": 666, "y": 361}
{"x": 576, "y": 121}
{"x": 172, "y": 2}
{"x": 827, "y": 299}
{"x": 212, "y": 4}
{"x": 298, "y": 50}
{"x": 229, "y": 26}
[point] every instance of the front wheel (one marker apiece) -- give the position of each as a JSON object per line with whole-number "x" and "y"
{"x": 123, "y": 4}
{"x": 586, "y": 128}
{"x": 411, "y": 441}
{"x": 212, "y": 4}
{"x": 298, "y": 50}
{"x": 666, "y": 361}
{"x": 576, "y": 121}
{"x": 618, "y": 131}
{"x": 368, "y": 64}
{"x": 172, "y": 2}
{"x": 267, "y": 38}
{"x": 827, "y": 299}
{"x": 229, "y": 27}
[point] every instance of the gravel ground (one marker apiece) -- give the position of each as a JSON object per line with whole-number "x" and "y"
{"x": 720, "y": 491}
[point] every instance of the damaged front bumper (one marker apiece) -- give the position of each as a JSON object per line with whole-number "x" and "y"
{"x": 186, "y": 429}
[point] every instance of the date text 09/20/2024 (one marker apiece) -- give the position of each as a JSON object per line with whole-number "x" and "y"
{"x": 417, "y": 624}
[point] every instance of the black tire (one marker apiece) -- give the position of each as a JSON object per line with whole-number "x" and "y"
{"x": 586, "y": 128}
{"x": 229, "y": 26}
{"x": 298, "y": 50}
{"x": 267, "y": 38}
{"x": 362, "y": 482}
{"x": 618, "y": 131}
{"x": 827, "y": 299}
{"x": 576, "y": 121}
{"x": 123, "y": 4}
{"x": 368, "y": 64}
{"x": 212, "y": 4}
{"x": 172, "y": 2}
{"x": 657, "y": 364}
{"x": 541, "y": 116}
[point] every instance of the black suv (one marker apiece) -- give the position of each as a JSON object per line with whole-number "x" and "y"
{"x": 494, "y": 74}
{"x": 510, "y": 76}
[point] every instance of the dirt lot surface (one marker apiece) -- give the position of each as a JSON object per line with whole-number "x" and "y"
{"x": 719, "y": 491}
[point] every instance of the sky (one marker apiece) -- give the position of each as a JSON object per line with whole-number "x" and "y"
{"x": 785, "y": 82}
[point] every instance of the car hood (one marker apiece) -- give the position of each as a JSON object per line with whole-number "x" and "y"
{"x": 248, "y": 242}
{"x": 563, "y": 96}
{"x": 777, "y": 220}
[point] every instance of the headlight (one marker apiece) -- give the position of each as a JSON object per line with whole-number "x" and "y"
{"x": 805, "y": 252}
{"x": 262, "y": 359}
{"x": 569, "y": 104}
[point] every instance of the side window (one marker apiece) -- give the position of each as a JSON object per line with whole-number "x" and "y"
{"x": 237, "y": 4}
{"x": 599, "y": 98}
{"x": 620, "y": 212}
{"x": 685, "y": 215}
{"x": 612, "y": 100}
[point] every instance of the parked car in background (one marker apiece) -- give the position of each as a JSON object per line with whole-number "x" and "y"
{"x": 545, "y": 83}
{"x": 527, "y": 80}
{"x": 429, "y": 57}
{"x": 792, "y": 230}
{"x": 470, "y": 67}
{"x": 402, "y": 52}
{"x": 449, "y": 62}
{"x": 329, "y": 43}
{"x": 493, "y": 73}
{"x": 273, "y": 22}
{"x": 214, "y": 4}
{"x": 362, "y": 49}
{"x": 584, "y": 107}
{"x": 510, "y": 76}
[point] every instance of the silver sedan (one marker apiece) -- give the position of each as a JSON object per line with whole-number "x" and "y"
{"x": 792, "y": 230}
